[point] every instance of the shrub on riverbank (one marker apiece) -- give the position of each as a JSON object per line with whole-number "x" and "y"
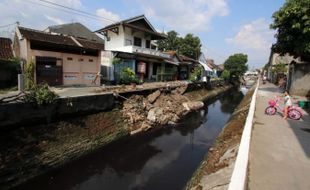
{"x": 128, "y": 77}
{"x": 41, "y": 95}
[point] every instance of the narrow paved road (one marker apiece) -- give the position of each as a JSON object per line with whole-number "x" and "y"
{"x": 280, "y": 149}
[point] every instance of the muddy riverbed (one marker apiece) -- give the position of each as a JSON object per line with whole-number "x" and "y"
{"x": 162, "y": 159}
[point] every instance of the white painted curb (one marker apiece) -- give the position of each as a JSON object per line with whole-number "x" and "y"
{"x": 238, "y": 178}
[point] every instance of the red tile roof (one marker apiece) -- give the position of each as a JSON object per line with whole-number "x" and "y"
{"x": 6, "y": 51}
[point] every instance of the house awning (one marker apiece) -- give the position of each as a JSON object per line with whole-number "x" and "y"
{"x": 205, "y": 66}
{"x": 171, "y": 62}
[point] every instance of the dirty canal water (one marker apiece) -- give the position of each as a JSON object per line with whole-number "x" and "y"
{"x": 163, "y": 159}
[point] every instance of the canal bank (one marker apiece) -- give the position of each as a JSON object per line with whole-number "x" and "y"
{"x": 216, "y": 169}
{"x": 157, "y": 159}
{"x": 79, "y": 101}
{"x": 28, "y": 151}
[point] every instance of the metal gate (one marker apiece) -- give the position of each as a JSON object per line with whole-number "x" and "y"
{"x": 48, "y": 72}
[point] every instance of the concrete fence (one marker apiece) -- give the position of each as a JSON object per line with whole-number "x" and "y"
{"x": 239, "y": 176}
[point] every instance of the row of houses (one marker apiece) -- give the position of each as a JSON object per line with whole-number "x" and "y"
{"x": 71, "y": 54}
{"x": 296, "y": 73}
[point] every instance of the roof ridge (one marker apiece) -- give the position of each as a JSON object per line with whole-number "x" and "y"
{"x": 43, "y": 32}
{"x": 54, "y": 34}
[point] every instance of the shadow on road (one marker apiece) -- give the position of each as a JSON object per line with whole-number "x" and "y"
{"x": 302, "y": 132}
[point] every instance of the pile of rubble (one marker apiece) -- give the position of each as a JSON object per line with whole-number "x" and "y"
{"x": 163, "y": 107}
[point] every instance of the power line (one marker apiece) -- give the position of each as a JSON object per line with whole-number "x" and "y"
{"x": 76, "y": 10}
{"x": 55, "y": 8}
{"x": 7, "y": 25}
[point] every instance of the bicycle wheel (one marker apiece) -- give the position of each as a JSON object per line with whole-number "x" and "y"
{"x": 294, "y": 114}
{"x": 270, "y": 110}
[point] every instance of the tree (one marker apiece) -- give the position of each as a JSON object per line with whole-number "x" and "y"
{"x": 279, "y": 68}
{"x": 236, "y": 64}
{"x": 225, "y": 75}
{"x": 190, "y": 46}
{"x": 171, "y": 43}
{"x": 292, "y": 22}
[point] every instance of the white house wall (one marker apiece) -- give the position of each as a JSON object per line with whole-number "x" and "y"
{"x": 116, "y": 40}
{"x": 106, "y": 61}
{"x": 129, "y": 35}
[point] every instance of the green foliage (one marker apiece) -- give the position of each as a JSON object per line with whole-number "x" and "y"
{"x": 292, "y": 22}
{"x": 9, "y": 71}
{"x": 279, "y": 68}
{"x": 128, "y": 76}
{"x": 41, "y": 95}
{"x": 225, "y": 75}
{"x": 116, "y": 61}
{"x": 189, "y": 46}
{"x": 171, "y": 43}
{"x": 196, "y": 73}
{"x": 266, "y": 66}
{"x": 29, "y": 76}
{"x": 236, "y": 64}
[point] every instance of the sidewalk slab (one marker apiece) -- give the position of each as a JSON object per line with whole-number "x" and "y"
{"x": 279, "y": 150}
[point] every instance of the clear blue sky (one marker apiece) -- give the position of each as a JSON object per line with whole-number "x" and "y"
{"x": 224, "y": 26}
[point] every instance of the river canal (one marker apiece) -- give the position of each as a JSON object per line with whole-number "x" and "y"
{"x": 164, "y": 159}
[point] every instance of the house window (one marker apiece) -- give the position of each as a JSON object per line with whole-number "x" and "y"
{"x": 69, "y": 58}
{"x": 147, "y": 44}
{"x": 91, "y": 60}
{"x": 81, "y": 59}
{"x": 128, "y": 42}
{"x": 137, "y": 42}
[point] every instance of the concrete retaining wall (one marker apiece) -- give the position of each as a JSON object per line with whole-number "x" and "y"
{"x": 30, "y": 113}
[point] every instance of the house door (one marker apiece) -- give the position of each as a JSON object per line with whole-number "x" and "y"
{"x": 47, "y": 71}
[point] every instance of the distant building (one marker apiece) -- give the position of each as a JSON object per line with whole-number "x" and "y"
{"x": 59, "y": 58}
{"x": 217, "y": 70}
{"x": 276, "y": 59}
{"x": 298, "y": 73}
{"x": 298, "y": 82}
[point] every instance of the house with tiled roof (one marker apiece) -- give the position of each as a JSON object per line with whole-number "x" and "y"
{"x": 134, "y": 42}
{"x": 6, "y": 51}
{"x": 60, "y": 59}
{"x": 8, "y": 68}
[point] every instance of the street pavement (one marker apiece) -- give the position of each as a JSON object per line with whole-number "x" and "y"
{"x": 280, "y": 149}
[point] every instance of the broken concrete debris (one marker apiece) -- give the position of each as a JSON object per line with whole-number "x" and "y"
{"x": 163, "y": 107}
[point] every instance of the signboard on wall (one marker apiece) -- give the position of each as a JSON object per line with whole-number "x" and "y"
{"x": 142, "y": 67}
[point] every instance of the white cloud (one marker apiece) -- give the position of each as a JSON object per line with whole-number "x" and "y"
{"x": 107, "y": 14}
{"x": 36, "y": 14}
{"x": 185, "y": 15}
{"x": 254, "y": 35}
{"x": 255, "y": 39}
{"x": 54, "y": 19}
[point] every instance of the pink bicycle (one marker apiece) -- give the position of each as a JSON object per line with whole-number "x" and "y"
{"x": 294, "y": 112}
